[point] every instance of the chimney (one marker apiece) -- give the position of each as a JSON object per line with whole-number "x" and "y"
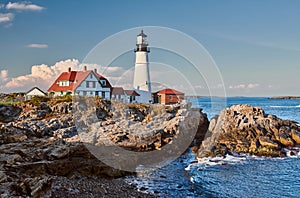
{"x": 69, "y": 69}
{"x": 84, "y": 68}
{"x": 95, "y": 70}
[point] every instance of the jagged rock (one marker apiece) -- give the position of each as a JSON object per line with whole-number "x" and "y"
{"x": 296, "y": 136}
{"x": 247, "y": 129}
{"x": 266, "y": 142}
{"x": 9, "y": 113}
{"x": 36, "y": 186}
{"x": 142, "y": 127}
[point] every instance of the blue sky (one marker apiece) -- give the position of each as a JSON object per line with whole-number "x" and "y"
{"x": 255, "y": 44}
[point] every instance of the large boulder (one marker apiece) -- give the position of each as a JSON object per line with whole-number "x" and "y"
{"x": 247, "y": 129}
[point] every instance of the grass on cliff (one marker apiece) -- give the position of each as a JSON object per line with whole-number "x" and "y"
{"x": 60, "y": 99}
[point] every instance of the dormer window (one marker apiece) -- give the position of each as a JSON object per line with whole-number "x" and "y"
{"x": 64, "y": 83}
{"x": 103, "y": 82}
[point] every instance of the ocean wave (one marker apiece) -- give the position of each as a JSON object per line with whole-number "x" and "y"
{"x": 213, "y": 161}
{"x": 275, "y": 106}
{"x": 231, "y": 160}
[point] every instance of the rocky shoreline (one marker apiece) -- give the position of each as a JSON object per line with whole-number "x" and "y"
{"x": 42, "y": 153}
{"x": 45, "y": 146}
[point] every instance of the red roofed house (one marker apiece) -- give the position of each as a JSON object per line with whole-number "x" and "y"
{"x": 83, "y": 83}
{"x": 168, "y": 96}
{"x": 121, "y": 95}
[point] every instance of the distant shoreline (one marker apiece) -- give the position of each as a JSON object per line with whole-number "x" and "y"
{"x": 271, "y": 98}
{"x": 285, "y": 98}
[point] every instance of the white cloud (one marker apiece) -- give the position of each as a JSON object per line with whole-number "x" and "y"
{"x": 7, "y": 17}
{"x": 24, "y": 6}
{"x": 37, "y": 45}
{"x": 43, "y": 75}
{"x": 252, "y": 86}
{"x": 244, "y": 86}
{"x": 240, "y": 86}
{"x": 3, "y": 75}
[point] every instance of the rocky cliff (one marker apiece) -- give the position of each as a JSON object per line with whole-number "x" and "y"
{"x": 248, "y": 129}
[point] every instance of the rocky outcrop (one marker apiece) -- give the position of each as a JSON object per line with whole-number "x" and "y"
{"x": 140, "y": 127}
{"x": 247, "y": 129}
{"x": 9, "y": 113}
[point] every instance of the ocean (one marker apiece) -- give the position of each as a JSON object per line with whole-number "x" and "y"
{"x": 239, "y": 176}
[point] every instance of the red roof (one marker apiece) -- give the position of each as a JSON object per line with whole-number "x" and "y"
{"x": 131, "y": 93}
{"x": 170, "y": 92}
{"x": 75, "y": 78}
{"x": 117, "y": 91}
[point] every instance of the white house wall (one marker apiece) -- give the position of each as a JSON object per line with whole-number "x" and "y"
{"x": 91, "y": 91}
{"x": 35, "y": 92}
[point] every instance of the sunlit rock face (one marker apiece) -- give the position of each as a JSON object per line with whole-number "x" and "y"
{"x": 247, "y": 129}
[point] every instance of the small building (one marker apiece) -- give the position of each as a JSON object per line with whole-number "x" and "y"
{"x": 118, "y": 94}
{"x": 168, "y": 96}
{"x": 121, "y": 95}
{"x": 132, "y": 96}
{"x": 82, "y": 83}
{"x": 35, "y": 91}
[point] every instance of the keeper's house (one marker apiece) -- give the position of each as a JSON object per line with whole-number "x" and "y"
{"x": 83, "y": 83}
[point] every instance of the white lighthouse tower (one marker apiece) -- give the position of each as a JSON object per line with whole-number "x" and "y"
{"x": 141, "y": 82}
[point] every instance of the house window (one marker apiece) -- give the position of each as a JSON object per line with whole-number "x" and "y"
{"x": 87, "y": 84}
{"x": 103, "y": 82}
{"x": 84, "y": 93}
{"x": 94, "y": 84}
{"x": 91, "y": 76}
{"x": 103, "y": 94}
{"x": 171, "y": 97}
{"x": 91, "y": 93}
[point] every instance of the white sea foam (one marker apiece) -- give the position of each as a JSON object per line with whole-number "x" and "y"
{"x": 275, "y": 106}
{"x": 213, "y": 161}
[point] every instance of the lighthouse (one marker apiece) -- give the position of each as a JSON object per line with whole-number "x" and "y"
{"x": 141, "y": 82}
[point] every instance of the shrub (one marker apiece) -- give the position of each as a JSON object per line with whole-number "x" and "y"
{"x": 36, "y": 100}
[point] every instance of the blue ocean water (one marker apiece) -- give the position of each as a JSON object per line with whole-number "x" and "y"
{"x": 234, "y": 176}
